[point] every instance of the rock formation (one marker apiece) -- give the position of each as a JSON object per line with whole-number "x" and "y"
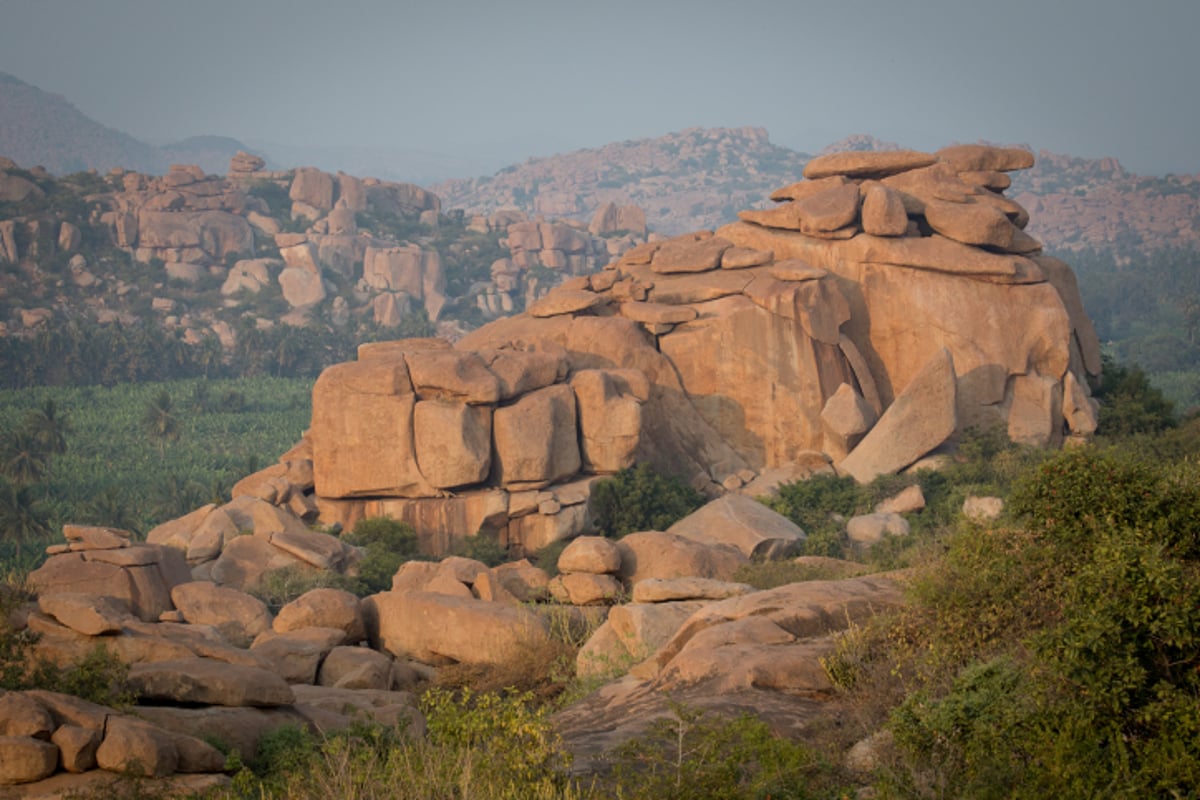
{"x": 887, "y": 303}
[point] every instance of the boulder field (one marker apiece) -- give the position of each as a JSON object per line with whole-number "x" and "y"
{"x": 889, "y": 302}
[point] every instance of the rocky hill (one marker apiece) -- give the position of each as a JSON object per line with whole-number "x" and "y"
{"x": 39, "y": 128}
{"x": 699, "y": 177}
{"x": 230, "y": 257}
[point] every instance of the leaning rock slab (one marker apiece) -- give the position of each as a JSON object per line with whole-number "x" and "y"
{"x": 755, "y": 530}
{"x": 921, "y": 418}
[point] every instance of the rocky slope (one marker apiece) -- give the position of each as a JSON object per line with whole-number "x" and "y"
{"x": 697, "y": 178}
{"x": 206, "y": 255}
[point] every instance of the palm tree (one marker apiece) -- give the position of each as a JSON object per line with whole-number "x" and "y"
{"x": 48, "y": 427}
{"x": 22, "y": 518}
{"x": 22, "y": 459}
{"x": 160, "y": 422}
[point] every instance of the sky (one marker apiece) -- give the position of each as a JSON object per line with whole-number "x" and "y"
{"x": 492, "y": 83}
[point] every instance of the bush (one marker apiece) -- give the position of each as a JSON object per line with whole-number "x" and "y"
{"x": 691, "y": 755}
{"x": 1129, "y": 404}
{"x": 388, "y": 544}
{"x": 641, "y": 499}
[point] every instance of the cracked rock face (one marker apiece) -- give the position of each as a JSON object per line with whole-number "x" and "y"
{"x": 900, "y": 286}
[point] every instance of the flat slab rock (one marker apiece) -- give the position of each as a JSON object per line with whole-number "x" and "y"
{"x": 209, "y": 682}
{"x": 746, "y": 524}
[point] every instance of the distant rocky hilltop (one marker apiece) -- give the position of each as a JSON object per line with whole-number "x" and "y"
{"x": 699, "y": 178}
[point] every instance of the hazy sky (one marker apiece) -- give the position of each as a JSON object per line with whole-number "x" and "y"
{"x": 502, "y": 81}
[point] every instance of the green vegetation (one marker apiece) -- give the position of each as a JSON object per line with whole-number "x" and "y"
{"x": 388, "y": 544}
{"x": 136, "y": 454}
{"x": 641, "y": 499}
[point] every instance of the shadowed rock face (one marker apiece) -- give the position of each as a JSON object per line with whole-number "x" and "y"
{"x": 880, "y": 309}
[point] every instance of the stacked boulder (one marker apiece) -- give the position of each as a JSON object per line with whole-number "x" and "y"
{"x": 890, "y": 302}
{"x": 588, "y": 568}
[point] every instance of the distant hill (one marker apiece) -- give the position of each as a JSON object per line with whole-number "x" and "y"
{"x": 40, "y": 128}
{"x": 698, "y": 178}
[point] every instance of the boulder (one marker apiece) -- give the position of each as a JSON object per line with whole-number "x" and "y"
{"x": 356, "y": 668}
{"x": 866, "y": 164}
{"x": 653, "y": 554}
{"x": 609, "y": 405}
{"x": 76, "y": 747}
{"x": 738, "y": 521}
{"x": 292, "y": 656}
{"x": 134, "y": 747}
{"x": 908, "y": 501}
{"x": 86, "y": 614}
{"x": 585, "y": 589}
{"x": 591, "y": 554}
{"x": 21, "y": 715}
{"x": 689, "y": 253}
{"x": 631, "y": 633}
{"x": 982, "y": 509}
{"x": 845, "y": 419}
{"x": 238, "y": 616}
{"x": 656, "y": 590}
{"x": 209, "y": 682}
{"x": 323, "y": 608}
{"x": 452, "y": 442}
{"x": 535, "y": 438}
{"x": 921, "y": 418}
{"x": 24, "y": 759}
{"x": 883, "y": 212}
{"x": 437, "y": 629}
{"x": 872, "y": 528}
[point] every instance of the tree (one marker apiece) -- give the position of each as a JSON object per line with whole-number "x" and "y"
{"x": 48, "y": 427}
{"x": 22, "y": 459}
{"x": 160, "y": 422}
{"x": 22, "y": 518}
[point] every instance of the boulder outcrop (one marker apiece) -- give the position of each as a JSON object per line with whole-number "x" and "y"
{"x": 885, "y": 305}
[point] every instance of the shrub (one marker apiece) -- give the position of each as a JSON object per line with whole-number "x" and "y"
{"x": 1129, "y": 404}
{"x": 388, "y": 544}
{"x": 641, "y": 499}
{"x": 693, "y": 755}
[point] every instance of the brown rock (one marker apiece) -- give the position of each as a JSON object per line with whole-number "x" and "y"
{"x": 453, "y": 442}
{"x": 312, "y": 187}
{"x": 137, "y": 748}
{"x": 657, "y": 313}
{"x": 744, "y": 257}
{"x": 323, "y": 608}
{"x": 869, "y": 529}
{"x": 803, "y": 189}
{"x": 93, "y": 537}
{"x": 87, "y": 614}
{"x": 922, "y": 416}
{"x": 632, "y": 632}
{"x": 982, "y": 509}
{"x": 21, "y": 715}
{"x": 592, "y": 554}
{"x": 845, "y": 419}
{"x": 293, "y": 657}
{"x": 238, "y": 616}
{"x": 356, "y": 668}
{"x": 883, "y": 211}
{"x": 362, "y": 431}
{"x": 1036, "y": 414}
{"x": 866, "y": 164}
{"x": 908, "y": 501}
{"x": 452, "y": 375}
{"x": 736, "y": 520}
{"x": 246, "y": 560}
{"x": 971, "y": 223}
{"x": 652, "y": 554}
{"x": 437, "y": 629}
{"x": 521, "y": 372}
{"x": 610, "y": 418}
{"x": 656, "y": 590}
{"x": 536, "y": 439}
{"x": 76, "y": 747}
{"x": 830, "y": 210}
{"x": 565, "y": 301}
{"x": 976, "y": 157}
{"x": 24, "y": 759}
{"x": 585, "y": 589}
{"x": 793, "y": 269}
{"x": 202, "y": 680}
{"x": 689, "y": 254}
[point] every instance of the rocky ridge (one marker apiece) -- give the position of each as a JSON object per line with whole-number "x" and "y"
{"x": 330, "y": 246}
